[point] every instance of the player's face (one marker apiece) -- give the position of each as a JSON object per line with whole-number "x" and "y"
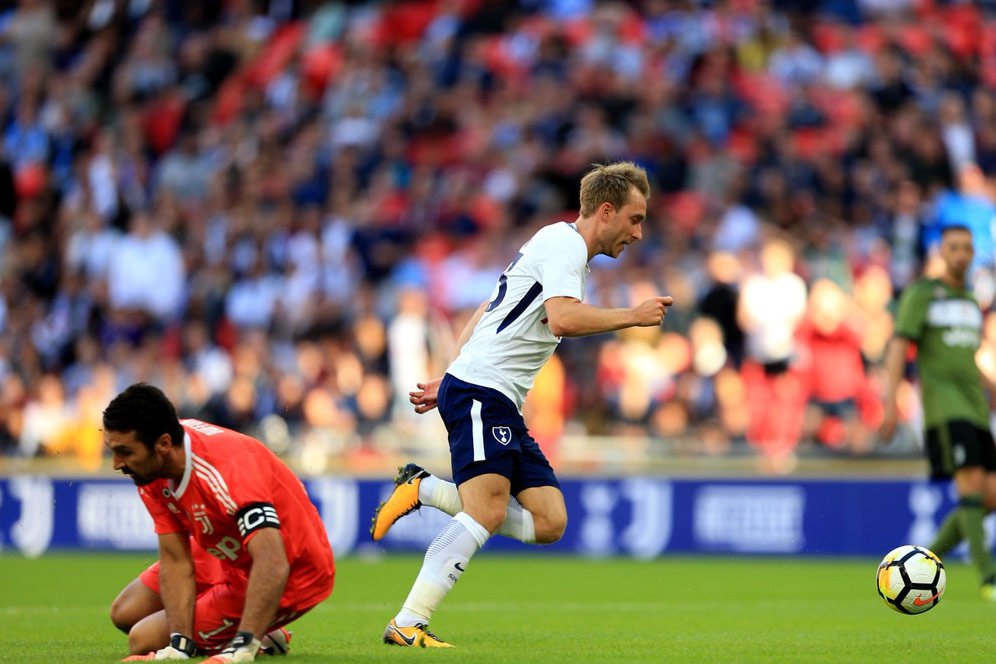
{"x": 625, "y": 225}
{"x": 957, "y": 252}
{"x": 133, "y": 458}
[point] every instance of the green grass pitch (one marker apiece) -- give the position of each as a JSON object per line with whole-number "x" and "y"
{"x": 545, "y": 608}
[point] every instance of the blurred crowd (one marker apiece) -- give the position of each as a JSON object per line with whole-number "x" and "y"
{"x": 283, "y": 211}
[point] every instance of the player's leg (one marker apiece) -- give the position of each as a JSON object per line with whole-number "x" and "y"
{"x": 149, "y": 634}
{"x": 139, "y": 608}
{"x": 415, "y": 487}
{"x": 484, "y": 499}
{"x": 937, "y": 442}
{"x": 949, "y": 534}
{"x": 216, "y": 617}
{"x": 970, "y": 483}
{"x": 968, "y": 449}
{"x": 537, "y": 489}
{"x": 547, "y": 514}
{"x": 140, "y": 598}
{"x": 541, "y": 521}
{"x": 989, "y": 492}
{"x": 135, "y": 601}
{"x": 988, "y": 457}
{"x": 483, "y": 452}
{"x": 217, "y": 614}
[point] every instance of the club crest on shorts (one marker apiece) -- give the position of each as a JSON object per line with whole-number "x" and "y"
{"x": 502, "y": 434}
{"x": 959, "y": 454}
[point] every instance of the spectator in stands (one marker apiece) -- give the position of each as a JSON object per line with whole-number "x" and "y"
{"x": 770, "y": 309}
{"x": 834, "y": 374}
{"x": 720, "y": 302}
{"x": 145, "y": 273}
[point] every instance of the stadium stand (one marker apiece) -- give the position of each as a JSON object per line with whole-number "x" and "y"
{"x": 282, "y": 212}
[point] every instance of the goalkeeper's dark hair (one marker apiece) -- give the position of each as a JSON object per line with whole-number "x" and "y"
{"x": 144, "y": 409}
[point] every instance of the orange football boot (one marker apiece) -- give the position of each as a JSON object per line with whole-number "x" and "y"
{"x": 403, "y": 500}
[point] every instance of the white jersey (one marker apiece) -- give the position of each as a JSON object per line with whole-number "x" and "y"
{"x": 512, "y": 341}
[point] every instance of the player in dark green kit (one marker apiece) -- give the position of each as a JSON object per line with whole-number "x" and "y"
{"x": 944, "y": 321}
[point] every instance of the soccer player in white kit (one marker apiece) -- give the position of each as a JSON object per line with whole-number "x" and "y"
{"x": 502, "y": 481}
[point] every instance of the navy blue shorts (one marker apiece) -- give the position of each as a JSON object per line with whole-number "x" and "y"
{"x": 487, "y": 435}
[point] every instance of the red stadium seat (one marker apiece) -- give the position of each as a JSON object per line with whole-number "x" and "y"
{"x": 870, "y": 37}
{"x": 577, "y": 32}
{"x": 162, "y": 122}
{"x": 228, "y": 101}
{"x": 30, "y": 181}
{"x": 742, "y": 145}
{"x": 916, "y": 39}
{"x": 963, "y": 40}
{"x": 809, "y": 142}
{"x": 500, "y": 61}
{"x": 320, "y": 66}
{"x": 275, "y": 55}
{"x": 633, "y": 29}
{"x": 827, "y": 37}
{"x": 763, "y": 92}
{"x": 404, "y": 22}
{"x": 685, "y": 209}
{"x": 842, "y": 107}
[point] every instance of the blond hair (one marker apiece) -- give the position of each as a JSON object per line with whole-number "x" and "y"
{"x": 611, "y": 183}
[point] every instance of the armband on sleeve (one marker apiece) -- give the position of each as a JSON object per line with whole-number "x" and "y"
{"x": 255, "y": 516}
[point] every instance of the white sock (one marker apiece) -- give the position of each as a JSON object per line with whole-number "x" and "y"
{"x": 443, "y": 495}
{"x": 445, "y": 560}
{"x": 518, "y": 523}
{"x": 440, "y": 494}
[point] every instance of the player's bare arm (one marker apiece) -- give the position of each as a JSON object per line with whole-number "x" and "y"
{"x": 267, "y": 578}
{"x": 569, "y": 317}
{"x": 424, "y": 398}
{"x": 177, "y": 585}
{"x": 895, "y": 360}
{"x": 990, "y": 386}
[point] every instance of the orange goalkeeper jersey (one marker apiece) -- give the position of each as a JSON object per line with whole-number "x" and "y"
{"x": 232, "y": 487}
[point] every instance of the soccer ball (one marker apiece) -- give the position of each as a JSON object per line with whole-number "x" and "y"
{"x": 911, "y": 579}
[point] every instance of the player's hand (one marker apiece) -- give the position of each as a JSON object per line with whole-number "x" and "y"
{"x": 242, "y": 648}
{"x": 651, "y": 313}
{"x": 890, "y": 421}
{"x": 180, "y": 647}
{"x": 424, "y": 398}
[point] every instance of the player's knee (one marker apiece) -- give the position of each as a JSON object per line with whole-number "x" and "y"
{"x": 137, "y": 643}
{"x": 491, "y": 517}
{"x": 490, "y": 514}
{"x": 550, "y": 526}
{"x": 487, "y": 510}
{"x": 145, "y": 637}
{"x": 120, "y": 616}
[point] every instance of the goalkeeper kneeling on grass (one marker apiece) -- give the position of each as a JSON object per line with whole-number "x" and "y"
{"x": 233, "y": 497}
{"x": 140, "y": 599}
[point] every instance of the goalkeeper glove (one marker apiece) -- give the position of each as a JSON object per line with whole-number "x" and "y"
{"x": 242, "y": 648}
{"x": 180, "y": 647}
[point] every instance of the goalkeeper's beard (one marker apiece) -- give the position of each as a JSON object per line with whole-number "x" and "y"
{"x": 139, "y": 480}
{"x": 142, "y": 479}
